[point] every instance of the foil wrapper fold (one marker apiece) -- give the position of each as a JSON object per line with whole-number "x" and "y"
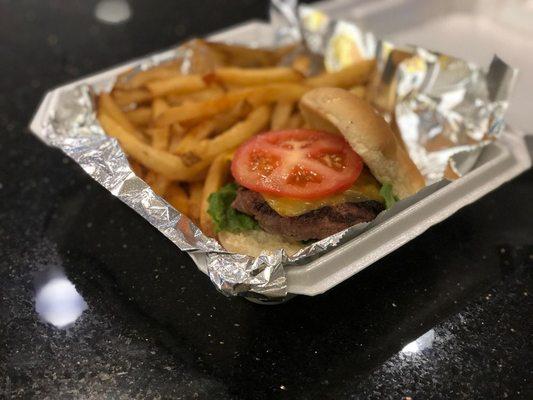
{"x": 440, "y": 105}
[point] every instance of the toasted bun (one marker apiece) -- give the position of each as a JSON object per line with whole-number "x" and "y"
{"x": 339, "y": 111}
{"x": 254, "y": 242}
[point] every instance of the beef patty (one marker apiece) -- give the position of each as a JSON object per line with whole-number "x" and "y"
{"x": 316, "y": 224}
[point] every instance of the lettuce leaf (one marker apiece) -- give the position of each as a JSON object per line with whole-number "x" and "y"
{"x": 225, "y": 217}
{"x": 388, "y": 196}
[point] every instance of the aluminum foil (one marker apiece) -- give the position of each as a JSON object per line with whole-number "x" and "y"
{"x": 442, "y": 106}
{"x": 439, "y": 104}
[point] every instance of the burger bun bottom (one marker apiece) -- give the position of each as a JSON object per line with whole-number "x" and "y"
{"x": 255, "y": 242}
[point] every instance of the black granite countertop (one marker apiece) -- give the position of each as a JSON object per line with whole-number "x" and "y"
{"x": 94, "y": 303}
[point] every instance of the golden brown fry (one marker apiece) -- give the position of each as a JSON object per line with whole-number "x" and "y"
{"x": 203, "y": 129}
{"x": 247, "y": 57}
{"x": 259, "y": 95}
{"x": 122, "y": 79}
{"x": 176, "y": 84}
{"x": 295, "y": 121}
{"x": 209, "y": 127}
{"x": 302, "y": 64}
{"x": 200, "y": 95}
{"x": 159, "y": 161}
{"x": 177, "y": 130}
{"x": 256, "y": 121}
{"x": 140, "y": 116}
{"x": 158, "y": 107}
{"x": 280, "y": 114}
{"x": 256, "y": 95}
{"x": 195, "y": 200}
{"x": 177, "y": 198}
{"x": 174, "y": 143}
{"x": 216, "y": 177}
{"x": 359, "y": 91}
{"x": 158, "y": 183}
{"x": 224, "y": 121}
{"x": 200, "y": 109}
{"x": 125, "y": 98}
{"x": 156, "y": 73}
{"x": 187, "y": 143}
{"x": 137, "y": 168}
{"x": 356, "y": 74}
{"x": 160, "y": 137}
{"x": 106, "y": 105}
{"x": 256, "y": 76}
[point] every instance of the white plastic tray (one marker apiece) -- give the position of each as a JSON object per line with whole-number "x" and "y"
{"x": 497, "y": 164}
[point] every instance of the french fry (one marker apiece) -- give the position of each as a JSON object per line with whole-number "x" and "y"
{"x": 224, "y": 121}
{"x": 122, "y": 79}
{"x": 160, "y": 137}
{"x": 359, "y": 91}
{"x": 140, "y": 79}
{"x": 195, "y": 200}
{"x": 216, "y": 177}
{"x": 217, "y": 124}
{"x": 302, "y": 64}
{"x": 200, "y": 109}
{"x": 295, "y": 121}
{"x": 158, "y": 183}
{"x": 276, "y": 92}
{"x": 176, "y": 84}
{"x": 106, "y": 105}
{"x": 256, "y": 76}
{"x": 209, "y": 127}
{"x": 280, "y": 114}
{"x": 200, "y": 95}
{"x": 137, "y": 168}
{"x": 177, "y": 130}
{"x": 125, "y": 98}
{"x": 140, "y": 116}
{"x": 356, "y": 74}
{"x": 174, "y": 143}
{"x": 200, "y": 131}
{"x": 243, "y": 56}
{"x": 203, "y": 129}
{"x": 238, "y": 133}
{"x": 177, "y": 197}
{"x": 158, "y": 107}
{"x": 168, "y": 165}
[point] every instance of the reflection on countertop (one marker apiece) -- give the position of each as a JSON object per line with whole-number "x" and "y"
{"x": 57, "y": 301}
{"x": 421, "y": 343}
{"x": 112, "y": 11}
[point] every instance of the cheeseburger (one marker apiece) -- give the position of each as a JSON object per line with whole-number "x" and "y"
{"x": 295, "y": 186}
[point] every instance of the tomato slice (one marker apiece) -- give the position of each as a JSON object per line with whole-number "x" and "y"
{"x": 299, "y": 164}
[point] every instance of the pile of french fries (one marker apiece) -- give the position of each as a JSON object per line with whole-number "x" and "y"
{"x": 180, "y": 130}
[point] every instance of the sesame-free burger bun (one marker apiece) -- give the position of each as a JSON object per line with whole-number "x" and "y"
{"x": 340, "y": 111}
{"x": 254, "y": 242}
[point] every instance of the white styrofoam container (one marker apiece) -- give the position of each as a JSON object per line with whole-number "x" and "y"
{"x": 497, "y": 163}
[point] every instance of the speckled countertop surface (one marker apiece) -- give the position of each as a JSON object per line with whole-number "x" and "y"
{"x": 95, "y": 304}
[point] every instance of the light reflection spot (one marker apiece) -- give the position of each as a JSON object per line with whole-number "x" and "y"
{"x": 58, "y": 302}
{"x": 423, "y": 342}
{"x": 112, "y": 11}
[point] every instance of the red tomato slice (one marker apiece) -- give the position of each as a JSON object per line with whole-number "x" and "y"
{"x": 299, "y": 164}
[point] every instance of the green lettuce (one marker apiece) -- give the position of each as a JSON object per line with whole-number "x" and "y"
{"x": 388, "y": 196}
{"x": 225, "y": 217}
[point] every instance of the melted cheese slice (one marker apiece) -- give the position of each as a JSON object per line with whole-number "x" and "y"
{"x": 366, "y": 187}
